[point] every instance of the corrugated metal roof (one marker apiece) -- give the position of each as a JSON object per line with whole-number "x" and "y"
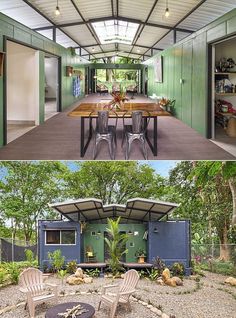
{"x": 135, "y": 210}
{"x": 75, "y": 12}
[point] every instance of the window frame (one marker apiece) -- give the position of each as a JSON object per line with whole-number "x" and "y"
{"x": 60, "y": 244}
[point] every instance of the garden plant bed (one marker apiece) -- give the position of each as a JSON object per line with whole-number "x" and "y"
{"x": 208, "y": 298}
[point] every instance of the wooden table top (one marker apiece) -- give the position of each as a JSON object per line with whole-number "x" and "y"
{"x": 85, "y": 109}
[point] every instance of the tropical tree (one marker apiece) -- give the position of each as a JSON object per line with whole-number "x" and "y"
{"x": 116, "y": 243}
{"x": 114, "y": 182}
{"x": 26, "y": 188}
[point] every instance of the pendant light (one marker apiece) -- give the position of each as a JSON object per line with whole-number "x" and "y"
{"x": 167, "y": 12}
{"x": 57, "y": 11}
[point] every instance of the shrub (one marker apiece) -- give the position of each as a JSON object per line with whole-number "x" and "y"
{"x": 3, "y": 275}
{"x": 159, "y": 264}
{"x": 14, "y": 272}
{"x": 29, "y": 256}
{"x": 153, "y": 274}
{"x": 71, "y": 267}
{"x": 57, "y": 260}
{"x": 93, "y": 272}
{"x": 177, "y": 269}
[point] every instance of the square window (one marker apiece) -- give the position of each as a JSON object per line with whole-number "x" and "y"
{"x": 93, "y": 233}
{"x": 52, "y": 237}
{"x": 67, "y": 237}
{"x": 131, "y": 244}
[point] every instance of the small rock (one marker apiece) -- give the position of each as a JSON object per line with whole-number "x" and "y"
{"x": 164, "y": 316}
{"x": 177, "y": 280}
{"x": 79, "y": 273}
{"x": 88, "y": 280}
{"x": 231, "y": 281}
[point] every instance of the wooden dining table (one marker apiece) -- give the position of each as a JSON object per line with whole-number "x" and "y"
{"x": 88, "y": 111}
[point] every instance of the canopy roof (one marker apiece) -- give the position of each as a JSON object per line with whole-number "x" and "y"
{"x": 75, "y": 25}
{"x": 136, "y": 210}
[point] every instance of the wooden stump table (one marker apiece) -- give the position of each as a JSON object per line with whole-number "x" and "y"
{"x": 54, "y": 311}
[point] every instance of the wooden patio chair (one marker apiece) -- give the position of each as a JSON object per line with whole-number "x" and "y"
{"x": 31, "y": 283}
{"x": 122, "y": 296}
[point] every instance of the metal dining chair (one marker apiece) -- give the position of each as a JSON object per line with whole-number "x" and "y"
{"x": 104, "y": 131}
{"x": 136, "y": 130}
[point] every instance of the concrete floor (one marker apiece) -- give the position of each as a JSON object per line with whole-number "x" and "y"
{"x": 59, "y": 139}
{"x": 224, "y": 141}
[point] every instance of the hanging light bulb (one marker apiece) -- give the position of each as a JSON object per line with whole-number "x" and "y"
{"x": 57, "y": 11}
{"x": 167, "y": 12}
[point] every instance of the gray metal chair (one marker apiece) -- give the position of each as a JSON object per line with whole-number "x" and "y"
{"x": 136, "y": 131}
{"x": 104, "y": 131}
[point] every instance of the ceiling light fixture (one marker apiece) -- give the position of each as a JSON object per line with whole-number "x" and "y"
{"x": 92, "y": 48}
{"x": 167, "y": 12}
{"x": 57, "y": 11}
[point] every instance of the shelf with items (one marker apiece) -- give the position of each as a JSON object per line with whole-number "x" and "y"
{"x": 226, "y": 94}
{"x": 224, "y": 73}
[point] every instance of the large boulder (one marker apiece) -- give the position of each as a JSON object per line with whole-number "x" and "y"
{"x": 166, "y": 274}
{"x": 177, "y": 280}
{"x": 79, "y": 273}
{"x": 231, "y": 281}
{"x": 73, "y": 280}
{"x": 170, "y": 282}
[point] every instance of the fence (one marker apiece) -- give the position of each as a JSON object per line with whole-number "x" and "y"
{"x": 205, "y": 252}
{"x": 14, "y": 250}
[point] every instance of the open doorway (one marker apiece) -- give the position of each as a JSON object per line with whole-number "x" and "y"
{"x": 22, "y": 101}
{"x": 224, "y": 94}
{"x": 51, "y": 86}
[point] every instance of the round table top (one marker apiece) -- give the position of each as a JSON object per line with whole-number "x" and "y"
{"x": 52, "y": 312}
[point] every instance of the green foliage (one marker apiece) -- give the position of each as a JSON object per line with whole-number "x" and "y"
{"x": 140, "y": 252}
{"x": 177, "y": 269}
{"x": 29, "y": 256}
{"x": 93, "y": 272}
{"x": 71, "y": 267}
{"x": 113, "y": 182}
{"x": 220, "y": 267}
{"x": 25, "y": 191}
{"x": 14, "y": 272}
{"x": 159, "y": 265}
{"x": 57, "y": 260}
{"x": 116, "y": 245}
{"x": 153, "y": 274}
{"x": 3, "y": 275}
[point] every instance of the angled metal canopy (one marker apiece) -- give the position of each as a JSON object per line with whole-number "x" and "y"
{"x": 136, "y": 210}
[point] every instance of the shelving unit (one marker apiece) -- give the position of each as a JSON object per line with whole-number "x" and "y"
{"x": 226, "y": 94}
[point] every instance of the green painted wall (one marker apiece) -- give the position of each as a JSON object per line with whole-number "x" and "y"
{"x": 97, "y": 242}
{"x": 18, "y": 32}
{"x": 188, "y": 60}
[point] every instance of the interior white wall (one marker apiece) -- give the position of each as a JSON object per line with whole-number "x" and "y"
{"x": 22, "y": 83}
{"x": 51, "y": 71}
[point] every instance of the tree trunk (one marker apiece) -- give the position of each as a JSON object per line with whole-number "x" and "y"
{"x": 224, "y": 248}
{"x": 232, "y": 185}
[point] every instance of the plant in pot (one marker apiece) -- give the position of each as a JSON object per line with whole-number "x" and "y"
{"x": 167, "y": 104}
{"x": 141, "y": 255}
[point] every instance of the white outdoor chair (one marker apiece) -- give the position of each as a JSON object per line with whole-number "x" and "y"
{"x": 31, "y": 283}
{"x": 122, "y": 296}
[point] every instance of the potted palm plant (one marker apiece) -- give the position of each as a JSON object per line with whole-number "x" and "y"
{"x": 141, "y": 255}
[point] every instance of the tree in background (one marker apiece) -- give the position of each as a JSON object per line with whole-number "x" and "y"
{"x": 114, "y": 182}
{"x": 204, "y": 190}
{"x": 26, "y": 188}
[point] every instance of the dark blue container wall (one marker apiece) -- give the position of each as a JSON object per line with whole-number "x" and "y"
{"x": 171, "y": 242}
{"x": 71, "y": 252}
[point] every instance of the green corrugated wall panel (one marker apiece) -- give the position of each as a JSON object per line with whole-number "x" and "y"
{"x": 37, "y": 42}
{"x": 171, "y": 74}
{"x": 6, "y": 29}
{"x": 216, "y": 32}
{"x": 22, "y": 36}
{"x": 41, "y": 88}
{"x": 187, "y": 82}
{"x": 199, "y": 84}
{"x": 231, "y": 25}
{"x": 97, "y": 242}
{"x": 177, "y": 76}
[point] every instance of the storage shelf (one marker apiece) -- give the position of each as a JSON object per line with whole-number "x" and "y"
{"x": 224, "y": 73}
{"x": 226, "y": 94}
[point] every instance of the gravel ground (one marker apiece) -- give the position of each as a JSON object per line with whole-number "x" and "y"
{"x": 212, "y": 299}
